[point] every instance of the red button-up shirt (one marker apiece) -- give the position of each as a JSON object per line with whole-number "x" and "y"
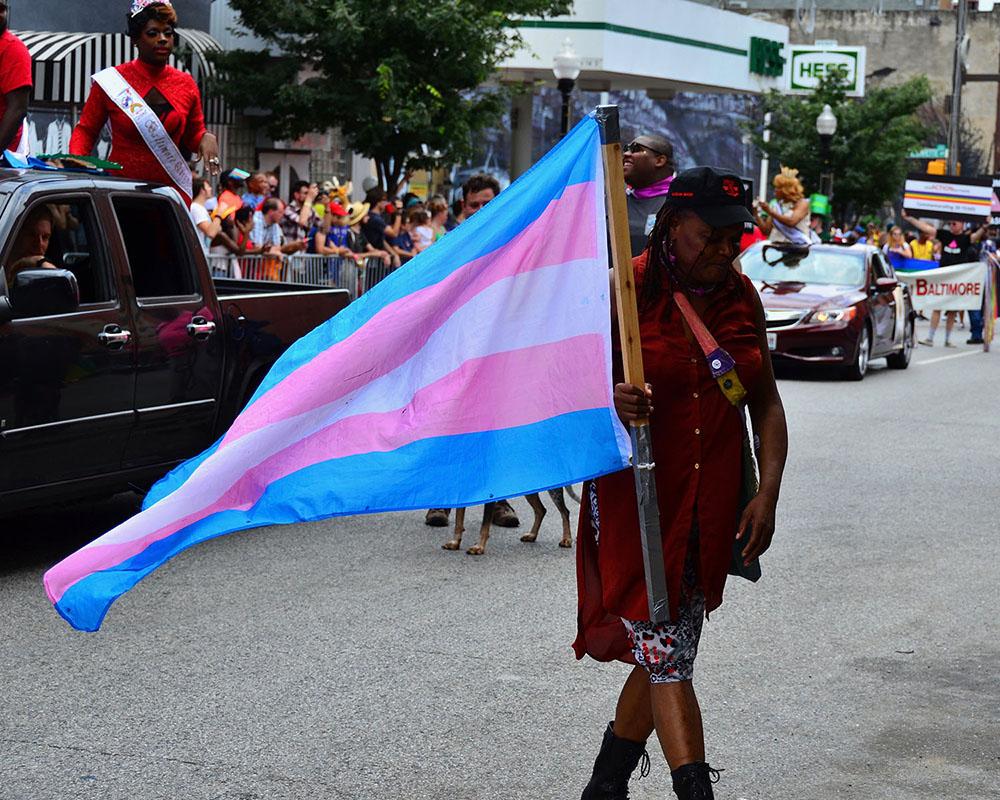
{"x": 697, "y": 448}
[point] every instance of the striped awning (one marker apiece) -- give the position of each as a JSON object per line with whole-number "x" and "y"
{"x": 62, "y": 64}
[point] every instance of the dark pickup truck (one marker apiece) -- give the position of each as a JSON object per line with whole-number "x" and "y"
{"x": 120, "y": 355}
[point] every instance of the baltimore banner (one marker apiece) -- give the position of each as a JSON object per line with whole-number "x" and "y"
{"x": 955, "y": 288}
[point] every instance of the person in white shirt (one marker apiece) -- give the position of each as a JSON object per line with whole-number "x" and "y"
{"x": 208, "y": 228}
{"x": 422, "y": 233}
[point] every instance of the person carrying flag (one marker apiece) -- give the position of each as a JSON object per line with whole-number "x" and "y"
{"x": 688, "y": 292}
{"x": 155, "y": 110}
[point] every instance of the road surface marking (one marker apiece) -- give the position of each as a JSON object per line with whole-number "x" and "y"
{"x": 947, "y": 358}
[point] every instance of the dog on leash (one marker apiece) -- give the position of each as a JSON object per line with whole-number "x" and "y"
{"x": 537, "y": 508}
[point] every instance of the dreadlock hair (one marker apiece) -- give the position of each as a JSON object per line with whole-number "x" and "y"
{"x": 657, "y": 277}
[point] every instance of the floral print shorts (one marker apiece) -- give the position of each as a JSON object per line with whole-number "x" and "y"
{"x": 666, "y": 650}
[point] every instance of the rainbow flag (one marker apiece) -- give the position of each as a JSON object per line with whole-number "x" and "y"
{"x": 904, "y": 264}
{"x": 480, "y": 370}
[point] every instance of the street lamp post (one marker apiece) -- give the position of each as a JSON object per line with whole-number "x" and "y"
{"x": 826, "y": 126}
{"x": 566, "y": 67}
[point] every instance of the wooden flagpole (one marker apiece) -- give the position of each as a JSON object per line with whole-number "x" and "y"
{"x": 628, "y": 329}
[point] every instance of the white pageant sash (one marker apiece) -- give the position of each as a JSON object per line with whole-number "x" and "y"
{"x": 148, "y": 124}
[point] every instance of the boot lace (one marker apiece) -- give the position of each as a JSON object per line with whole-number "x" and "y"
{"x": 693, "y": 784}
{"x": 644, "y": 765}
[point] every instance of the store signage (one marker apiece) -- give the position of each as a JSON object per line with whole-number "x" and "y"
{"x": 766, "y": 58}
{"x": 810, "y": 64}
{"x": 937, "y": 151}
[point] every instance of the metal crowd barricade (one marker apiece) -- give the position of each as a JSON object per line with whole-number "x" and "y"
{"x": 300, "y": 268}
{"x": 375, "y": 270}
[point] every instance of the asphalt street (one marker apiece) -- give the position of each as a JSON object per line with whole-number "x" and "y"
{"x": 354, "y": 658}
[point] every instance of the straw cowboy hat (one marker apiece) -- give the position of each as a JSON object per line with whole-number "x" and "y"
{"x": 357, "y": 212}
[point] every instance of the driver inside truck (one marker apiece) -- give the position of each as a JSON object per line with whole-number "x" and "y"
{"x": 32, "y": 244}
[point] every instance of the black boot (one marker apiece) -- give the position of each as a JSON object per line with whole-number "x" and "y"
{"x": 694, "y": 781}
{"x": 614, "y": 766}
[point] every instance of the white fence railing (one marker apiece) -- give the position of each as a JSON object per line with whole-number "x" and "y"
{"x": 357, "y": 277}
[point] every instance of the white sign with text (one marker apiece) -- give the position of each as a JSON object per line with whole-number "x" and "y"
{"x": 955, "y": 288}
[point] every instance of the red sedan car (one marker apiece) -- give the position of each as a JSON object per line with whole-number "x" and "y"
{"x": 838, "y": 306}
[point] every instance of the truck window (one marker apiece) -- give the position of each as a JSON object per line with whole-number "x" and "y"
{"x": 157, "y": 251}
{"x": 62, "y": 233}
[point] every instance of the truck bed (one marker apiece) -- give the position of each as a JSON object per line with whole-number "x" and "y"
{"x": 228, "y": 287}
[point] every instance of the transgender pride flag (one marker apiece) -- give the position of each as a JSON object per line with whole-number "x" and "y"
{"x": 480, "y": 370}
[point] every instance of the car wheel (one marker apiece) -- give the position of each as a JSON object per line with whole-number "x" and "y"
{"x": 857, "y": 369}
{"x": 901, "y": 359}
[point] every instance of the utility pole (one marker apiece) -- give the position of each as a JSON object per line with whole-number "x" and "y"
{"x": 956, "y": 85}
{"x": 765, "y": 162}
{"x": 996, "y": 131}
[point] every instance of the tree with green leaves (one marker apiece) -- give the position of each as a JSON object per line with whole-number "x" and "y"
{"x": 868, "y": 153}
{"x": 401, "y": 80}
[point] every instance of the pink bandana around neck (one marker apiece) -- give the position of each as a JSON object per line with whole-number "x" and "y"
{"x": 657, "y": 189}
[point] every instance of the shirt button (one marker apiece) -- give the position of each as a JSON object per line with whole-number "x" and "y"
{"x": 697, "y": 466}
{"x": 695, "y": 395}
{"x": 694, "y": 360}
{"x": 697, "y": 431}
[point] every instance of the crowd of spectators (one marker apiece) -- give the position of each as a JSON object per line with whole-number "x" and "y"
{"x": 247, "y": 217}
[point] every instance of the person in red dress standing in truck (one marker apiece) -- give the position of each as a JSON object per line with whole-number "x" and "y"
{"x": 138, "y": 94}
{"x": 15, "y": 87}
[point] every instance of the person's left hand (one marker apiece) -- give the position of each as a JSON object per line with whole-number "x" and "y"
{"x": 756, "y": 527}
{"x": 208, "y": 151}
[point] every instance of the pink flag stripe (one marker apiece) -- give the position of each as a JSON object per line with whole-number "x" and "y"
{"x": 526, "y": 315}
{"x": 560, "y": 234}
{"x": 441, "y": 409}
{"x": 537, "y": 307}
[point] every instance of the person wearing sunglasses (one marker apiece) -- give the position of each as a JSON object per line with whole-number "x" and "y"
{"x": 15, "y": 87}
{"x": 649, "y": 168}
{"x": 170, "y": 94}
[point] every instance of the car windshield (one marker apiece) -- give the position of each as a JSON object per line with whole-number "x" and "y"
{"x": 831, "y": 267}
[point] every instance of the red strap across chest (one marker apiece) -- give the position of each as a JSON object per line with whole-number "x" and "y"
{"x": 703, "y": 335}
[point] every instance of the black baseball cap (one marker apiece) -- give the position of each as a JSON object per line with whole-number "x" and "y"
{"x": 718, "y": 197}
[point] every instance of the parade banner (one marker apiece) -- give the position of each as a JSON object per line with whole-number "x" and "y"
{"x": 955, "y": 288}
{"x": 967, "y": 199}
{"x": 480, "y": 370}
{"x": 991, "y": 310}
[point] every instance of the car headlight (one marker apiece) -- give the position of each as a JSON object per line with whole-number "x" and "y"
{"x": 833, "y": 314}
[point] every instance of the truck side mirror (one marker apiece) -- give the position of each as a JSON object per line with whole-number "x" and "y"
{"x": 43, "y": 292}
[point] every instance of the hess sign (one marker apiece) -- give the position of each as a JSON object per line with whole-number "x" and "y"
{"x": 809, "y": 65}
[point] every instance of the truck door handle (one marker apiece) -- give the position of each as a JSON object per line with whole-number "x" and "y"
{"x": 114, "y": 337}
{"x": 200, "y": 328}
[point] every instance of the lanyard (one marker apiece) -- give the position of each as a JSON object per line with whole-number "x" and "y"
{"x": 720, "y": 363}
